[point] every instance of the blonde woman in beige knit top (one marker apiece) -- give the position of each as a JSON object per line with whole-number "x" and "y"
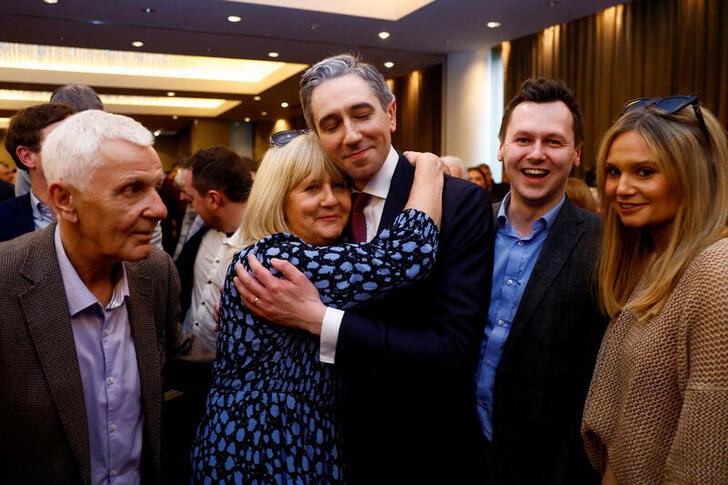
{"x": 657, "y": 410}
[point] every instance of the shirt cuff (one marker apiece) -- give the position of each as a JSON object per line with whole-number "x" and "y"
{"x": 330, "y": 334}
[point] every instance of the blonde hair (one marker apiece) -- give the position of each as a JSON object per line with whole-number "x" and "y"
{"x": 696, "y": 166}
{"x": 578, "y": 192}
{"x": 281, "y": 169}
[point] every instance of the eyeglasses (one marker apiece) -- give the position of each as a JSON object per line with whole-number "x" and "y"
{"x": 668, "y": 106}
{"x": 282, "y": 138}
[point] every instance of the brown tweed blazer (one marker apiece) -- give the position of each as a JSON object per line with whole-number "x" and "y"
{"x": 44, "y": 435}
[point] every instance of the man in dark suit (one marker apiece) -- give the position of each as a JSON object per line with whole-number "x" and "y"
{"x": 544, "y": 325}
{"x": 88, "y": 308}
{"x": 408, "y": 360}
{"x": 24, "y": 140}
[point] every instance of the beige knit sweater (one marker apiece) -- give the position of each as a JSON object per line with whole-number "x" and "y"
{"x": 658, "y": 402}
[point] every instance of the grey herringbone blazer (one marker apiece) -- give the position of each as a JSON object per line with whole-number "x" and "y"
{"x": 43, "y": 425}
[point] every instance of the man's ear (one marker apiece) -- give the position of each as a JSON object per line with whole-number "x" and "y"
{"x": 213, "y": 198}
{"x": 577, "y": 160}
{"x": 392, "y": 113}
{"x": 25, "y": 155}
{"x": 63, "y": 201}
{"x": 500, "y": 152}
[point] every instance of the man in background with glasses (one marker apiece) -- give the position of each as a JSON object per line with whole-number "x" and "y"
{"x": 407, "y": 361}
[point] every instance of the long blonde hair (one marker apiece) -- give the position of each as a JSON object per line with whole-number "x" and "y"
{"x": 696, "y": 167}
{"x": 280, "y": 171}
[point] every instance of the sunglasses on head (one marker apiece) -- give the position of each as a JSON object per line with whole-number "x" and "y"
{"x": 282, "y": 138}
{"x": 668, "y": 106}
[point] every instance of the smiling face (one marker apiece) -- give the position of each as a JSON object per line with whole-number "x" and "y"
{"x": 317, "y": 210}
{"x": 354, "y": 130}
{"x": 116, "y": 217}
{"x": 637, "y": 188}
{"x": 538, "y": 153}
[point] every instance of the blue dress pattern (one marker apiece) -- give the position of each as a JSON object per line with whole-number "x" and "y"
{"x": 269, "y": 414}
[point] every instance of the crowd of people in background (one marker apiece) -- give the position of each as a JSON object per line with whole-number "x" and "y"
{"x": 350, "y": 313}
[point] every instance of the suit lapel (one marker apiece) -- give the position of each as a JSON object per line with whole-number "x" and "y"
{"x": 560, "y": 243}
{"x": 140, "y": 308}
{"x": 398, "y": 194}
{"x": 54, "y": 343}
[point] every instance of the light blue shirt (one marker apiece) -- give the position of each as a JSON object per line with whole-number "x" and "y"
{"x": 109, "y": 373}
{"x": 514, "y": 260}
{"x": 42, "y": 214}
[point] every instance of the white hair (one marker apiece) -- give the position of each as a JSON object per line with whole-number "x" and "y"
{"x": 453, "y": 161}
{"x": 70, "y": 152}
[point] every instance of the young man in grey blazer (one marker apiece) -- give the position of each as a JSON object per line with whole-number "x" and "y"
{"x": 544, "y": 326}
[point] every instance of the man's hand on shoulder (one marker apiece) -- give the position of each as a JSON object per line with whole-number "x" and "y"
{"x": 292, "y": 301}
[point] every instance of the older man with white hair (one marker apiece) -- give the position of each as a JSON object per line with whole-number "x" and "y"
{"x": 87, "y": 304}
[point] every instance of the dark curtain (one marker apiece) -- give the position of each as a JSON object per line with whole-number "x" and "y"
{"x": 651, "y": 48}
{"x": 419, "y": 110}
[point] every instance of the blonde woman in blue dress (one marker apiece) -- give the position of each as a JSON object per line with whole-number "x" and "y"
{"x": 270, "y": 411}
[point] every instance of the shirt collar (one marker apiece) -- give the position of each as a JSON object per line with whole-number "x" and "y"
{"x": 40, "y": 211}
{"x": 545, "y": 221}
{"x": 378, "y": 186}
{"x": 79, "y": 297}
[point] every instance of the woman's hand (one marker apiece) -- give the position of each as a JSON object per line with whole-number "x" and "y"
{"x": 426, "y": 192}
{"x": 426, "y": 157}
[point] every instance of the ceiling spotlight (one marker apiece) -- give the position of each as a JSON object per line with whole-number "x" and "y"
{"x": 171, "y": 93}
{"x": 247, "y": 119}
{"x": 158, "y": 132}
{"x": 493, "y": 25}
{"x": 263, "y": 113}
{"x": 148, "y": 10}
{"x": 284, "y": 105}
{"x": 138, "y": 43}
{"x": 51, "y": 1}
{"x": 383, "y": 35}
{"x": 389, "y": 64}
{"x": 273, "y": 54}
{"x": 174, "y": 117}
{"x": 234, "y": 18}
{"x": 256, "y": 98}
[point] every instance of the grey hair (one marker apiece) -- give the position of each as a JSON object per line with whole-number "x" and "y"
{"x": 70, "y": 152}
{"x": 337, "y": 66}
{"x": 78, "y": 96}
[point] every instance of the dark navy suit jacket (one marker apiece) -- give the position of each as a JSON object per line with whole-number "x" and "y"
{"x": 408, "y": 361}
{"x": 16, "y": 217}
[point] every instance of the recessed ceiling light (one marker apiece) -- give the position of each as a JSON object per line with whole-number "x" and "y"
{"x": 148, "y": 10}
{"x": 138, "y": 43}
{"x": 174, "y": 117}
{"x": 273, "y": 54}
{"x": 171, "y": 93}
{"x": 383, "y": 35}
{"x": 389, "y": 64}
{"x": 284, "y": 105}
{"x": 256, "y": 98}
{"x": 493, "y": 25}
{"x": 234, "y": 18}
{"x": 51, "y": 1}
{"x": 157, "y": 132}
{"x": 247, "y": 119}
{"x": 264, "y": 113}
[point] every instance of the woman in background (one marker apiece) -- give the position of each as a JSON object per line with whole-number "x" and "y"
{"x": 657, "y": 410}
{"x": 269, "y": 416}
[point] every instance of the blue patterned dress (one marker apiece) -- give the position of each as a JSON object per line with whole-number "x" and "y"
{"x": 269, "y": 415}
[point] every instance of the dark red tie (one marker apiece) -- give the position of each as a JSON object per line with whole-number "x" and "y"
{"x": 358, "y": 223}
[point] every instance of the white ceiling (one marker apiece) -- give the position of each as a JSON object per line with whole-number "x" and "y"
{"x": 419, "y": 39}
